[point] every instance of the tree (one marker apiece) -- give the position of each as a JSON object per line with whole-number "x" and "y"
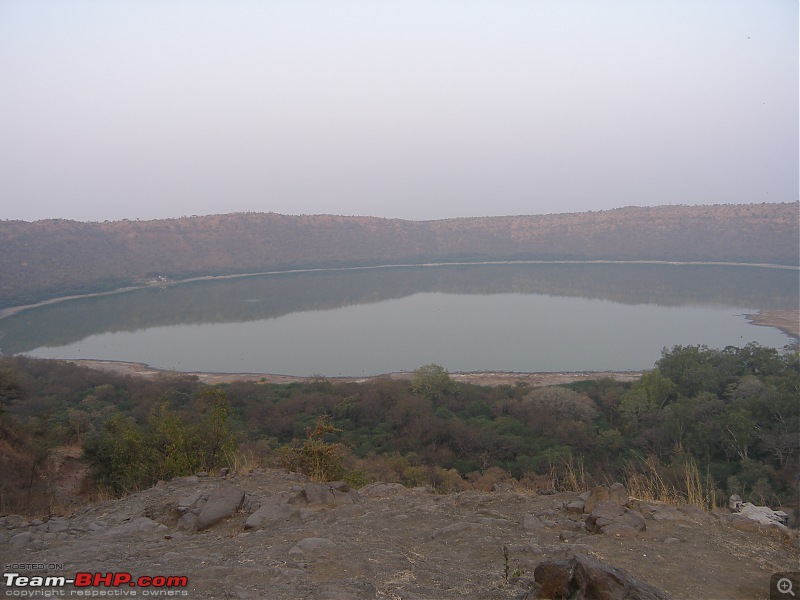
{"x": 433, "y": 382}
{"x": 127, "y": 456}
{"x": 635, "y": 404}
{"x": 319, "y": 459}
{"x": 561, "y": 404}
{"x": 11, "y": 388}
{"x": 658, "y": 388}
{"x": 738, "y": 431}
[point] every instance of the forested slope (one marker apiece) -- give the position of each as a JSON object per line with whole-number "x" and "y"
{"x": 52, "y": 258}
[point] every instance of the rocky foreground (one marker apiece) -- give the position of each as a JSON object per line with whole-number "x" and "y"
{"x": 268, "y": 534}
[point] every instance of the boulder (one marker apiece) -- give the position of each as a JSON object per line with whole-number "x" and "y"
{"x": 187, "y": 522}
{"x": 320, "y": 495}
{"x": 382, "y": 490}
{"x": 57, "y": 525}
{"x": 271, "y": 512}
{"x": 576, "y": 506}
{"x": 618, "y": 494}
{"x": 585, "y": 577}
{"x": 612, "y": 519}
{"x": 187, "y": 502}
{"x": 21, "y": 538}
{"x": 763, "y": 514}
{"x": 220, "y": 505}
{"x": 597, "y": 495}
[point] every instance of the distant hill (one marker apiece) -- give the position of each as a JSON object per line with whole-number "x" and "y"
{"x": 51, "y": 258}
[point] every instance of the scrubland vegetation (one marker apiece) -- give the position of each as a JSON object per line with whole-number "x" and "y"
{"x": 703, "y": 424}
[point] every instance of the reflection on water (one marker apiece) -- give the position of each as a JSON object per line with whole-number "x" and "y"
{"x": 482, "y": 317}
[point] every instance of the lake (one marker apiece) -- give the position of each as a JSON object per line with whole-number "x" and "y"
{"x": 508, "y": 317}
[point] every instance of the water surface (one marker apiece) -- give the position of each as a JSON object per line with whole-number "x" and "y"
{"x": 466, "y": 318}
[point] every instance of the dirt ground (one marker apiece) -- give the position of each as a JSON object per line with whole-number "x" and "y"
{"x": 409, "y": 544}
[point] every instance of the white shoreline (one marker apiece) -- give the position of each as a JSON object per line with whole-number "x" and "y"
{"x": 534, "y": 379}
{"x": 12, "y": 310}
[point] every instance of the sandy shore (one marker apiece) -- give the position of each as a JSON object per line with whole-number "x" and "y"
{"x": 478, "y": 378}
{"x": 788, "y": 321}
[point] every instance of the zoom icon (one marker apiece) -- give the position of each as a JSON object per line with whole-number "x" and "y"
{"x": 784, "y": 586}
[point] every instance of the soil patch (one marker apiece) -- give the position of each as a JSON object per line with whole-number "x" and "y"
{"x": 387, "y": 542}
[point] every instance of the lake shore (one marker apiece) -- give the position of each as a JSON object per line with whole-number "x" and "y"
{"x": 788, "y": 321}
{"x": 491, "y": 378}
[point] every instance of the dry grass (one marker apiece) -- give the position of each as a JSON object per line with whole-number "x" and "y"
{"x": 570, "y": 476}
{"x": 243, "y": 460}
{"x": 648, "y": 484}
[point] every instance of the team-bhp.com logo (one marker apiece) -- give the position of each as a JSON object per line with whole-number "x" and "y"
{"x": 94, "y": 585}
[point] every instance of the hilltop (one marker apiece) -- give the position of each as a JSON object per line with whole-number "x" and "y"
{"x": 272, "y": 534}
{"x": 53, "y": 258}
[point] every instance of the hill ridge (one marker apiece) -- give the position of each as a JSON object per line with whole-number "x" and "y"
{"x": 52, "y": 258}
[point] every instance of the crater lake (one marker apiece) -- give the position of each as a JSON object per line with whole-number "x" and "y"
{"x": 368, "y": 321}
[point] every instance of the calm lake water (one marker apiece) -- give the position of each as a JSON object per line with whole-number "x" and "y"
{"x": 367, "y": 322}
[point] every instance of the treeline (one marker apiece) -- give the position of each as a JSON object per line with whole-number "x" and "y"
{"x": 52, "y": 258}
{"x": 733, "y": 413}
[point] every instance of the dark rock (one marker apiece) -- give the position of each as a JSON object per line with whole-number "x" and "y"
{"x": 13, "y": 521}
{"x": 187, "y": 502}
{"x": 585, "y": 577}
{"x": 597, "y": 495}
{"x": 573, "y": 525}
{"x": 555, "y": 579}
{"x": 21, "y": 538}
{"x": 57, "y": 525}
{"x": 619, "y": 530}
{"x": 744, "y": 524}
{"x": 613, "y": 519}
{"x": 568, "y": 535}
{"x": 221, "y": 504}
{"x": 575, "y": 506}
{"x": 187, "y": 522}
{"x": 618, "y": 494}
{"x": 273, "y": 512}
{"x": 325, "y": 495}
{"x": 532, "y": 522}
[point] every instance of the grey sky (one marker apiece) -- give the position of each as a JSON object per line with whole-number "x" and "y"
{"x": 413, "y": 109}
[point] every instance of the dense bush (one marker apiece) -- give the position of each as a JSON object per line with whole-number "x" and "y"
{"x": 734, "y": 413}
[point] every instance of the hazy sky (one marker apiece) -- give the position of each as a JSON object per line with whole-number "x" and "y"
{"x": 413, "y": 109}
